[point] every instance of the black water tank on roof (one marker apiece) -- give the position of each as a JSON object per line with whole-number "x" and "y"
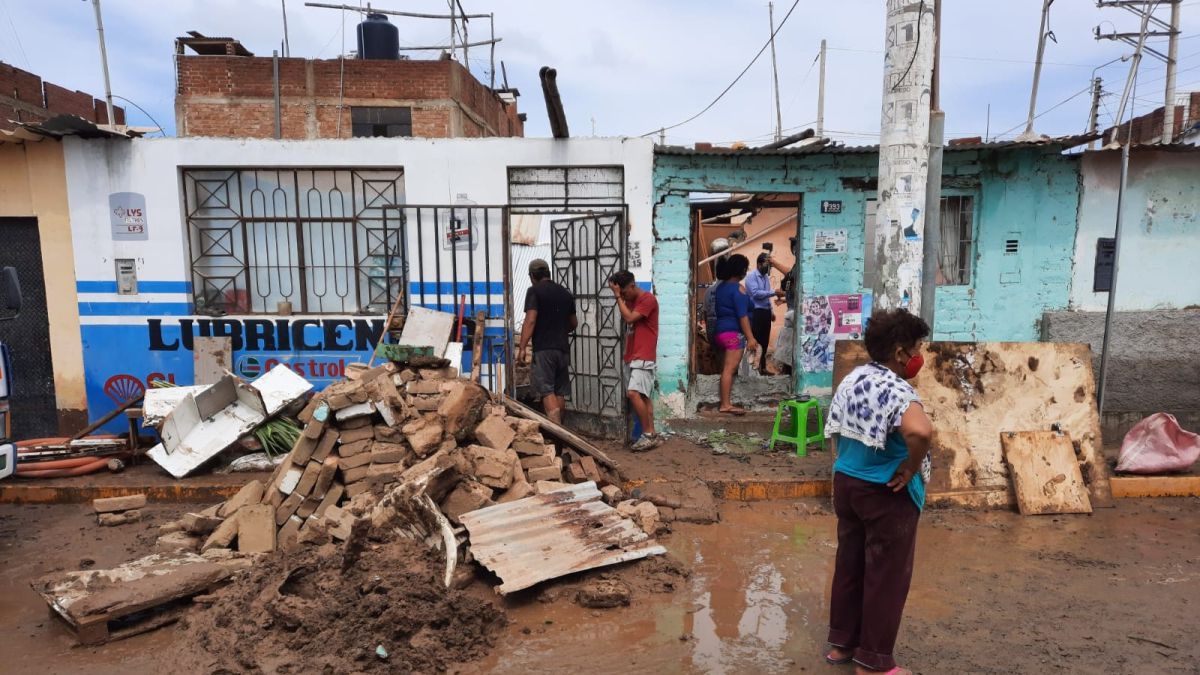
{"x": 378, "y": 39}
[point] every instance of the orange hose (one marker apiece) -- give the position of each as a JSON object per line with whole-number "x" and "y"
{"x": 65, "y": 473}
{"x": 70, "y": 463}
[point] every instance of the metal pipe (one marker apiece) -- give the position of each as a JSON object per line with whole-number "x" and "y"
{"x": 784, "y": 142}
{"x": 376, "y": 10}
{"x": 112, "y": 119}
{"x": 554, "y": 105}
{"x": 1168, "y": 133}
{"x": 754, "y": 237}
{"x": 775, "y": 73}
{"x": 278, "y": 112}
{"x": 444, "y": 47}
{"x": 287, "y": 47}
{"x": 932, "y": 245}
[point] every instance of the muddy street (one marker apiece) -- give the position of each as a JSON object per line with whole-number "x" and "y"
{"x": 993, "y": 592}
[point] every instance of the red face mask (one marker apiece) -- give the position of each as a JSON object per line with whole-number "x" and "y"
{"x": 913, "y": 366}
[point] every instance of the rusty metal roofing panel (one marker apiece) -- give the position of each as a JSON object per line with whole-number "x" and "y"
{"x": 553, "y": 534}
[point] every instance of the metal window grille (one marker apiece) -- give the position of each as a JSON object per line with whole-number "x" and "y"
{"x": 317, "y": 238}
{"x": 958, "y": 240}
{"x": 566, "y": 187}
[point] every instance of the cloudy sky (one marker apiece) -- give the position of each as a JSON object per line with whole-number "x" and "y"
{"x": 630, "y": 67}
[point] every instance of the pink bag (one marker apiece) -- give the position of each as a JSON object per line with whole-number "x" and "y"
{"x": 1158, "y": 445}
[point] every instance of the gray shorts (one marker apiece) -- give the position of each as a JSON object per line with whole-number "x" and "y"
{"x": 549, "y": 373}
{"x": 641, "y": 376}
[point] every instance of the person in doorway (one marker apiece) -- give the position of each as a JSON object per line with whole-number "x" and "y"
{"x": 758, "y": 287}
{"x": 733, "y": 327}
{"x": 881, "y": 432}
{"x": 639, "y": 310}
{"x": 549, "y": 320}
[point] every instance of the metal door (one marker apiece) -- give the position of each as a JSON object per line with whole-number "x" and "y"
{"x": 32, "y": 403}
{"x": 586, "y": 251}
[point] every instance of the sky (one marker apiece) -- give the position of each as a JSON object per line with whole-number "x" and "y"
{"x": 628, "y": 68}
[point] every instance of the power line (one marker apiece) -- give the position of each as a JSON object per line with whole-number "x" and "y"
{"x": 16, "y": 35}
{"x": 1052, "y": 108}
{"x": 736, "y": 79}
{"x": 968, "y": 58}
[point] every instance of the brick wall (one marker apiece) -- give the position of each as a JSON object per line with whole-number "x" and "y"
{"x": 25, "y": 98}
{"x": 437, "y": 91}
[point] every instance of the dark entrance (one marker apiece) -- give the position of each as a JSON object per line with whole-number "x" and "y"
{"x": 34, "y": 411}
{"x": 586, "y": 251}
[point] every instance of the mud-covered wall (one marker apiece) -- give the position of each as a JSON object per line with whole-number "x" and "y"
{"x": 1154, "y": 363}
{"x": 1030, "y": 195}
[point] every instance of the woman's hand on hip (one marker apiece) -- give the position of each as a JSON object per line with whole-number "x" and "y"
{"x": 902, "y": 477}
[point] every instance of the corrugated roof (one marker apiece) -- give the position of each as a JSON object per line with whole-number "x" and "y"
{"x": 67, "y": 125}
{"x": 550, "y": 535}
{"x": 825, "y": 146}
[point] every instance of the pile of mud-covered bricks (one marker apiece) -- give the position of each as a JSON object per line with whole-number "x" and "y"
{"x": 388, "y": 425}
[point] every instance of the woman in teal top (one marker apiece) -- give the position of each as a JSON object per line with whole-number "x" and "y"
{"x": 881, "y": 432}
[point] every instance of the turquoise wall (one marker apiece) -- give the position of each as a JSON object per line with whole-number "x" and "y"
{"x": 1027, "y": 194}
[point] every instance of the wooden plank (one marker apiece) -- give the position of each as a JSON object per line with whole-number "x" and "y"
{"x": 1155, "y": 486}
{"x": 558, "y": 432}
{"x": 211, "y": 357}
{"x": 1045, "y": 473}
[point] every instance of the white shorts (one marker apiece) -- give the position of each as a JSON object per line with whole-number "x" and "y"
{"x": 640, "y": 374}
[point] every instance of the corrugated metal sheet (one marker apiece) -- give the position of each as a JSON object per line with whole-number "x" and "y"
{"x": 831, "y": 148}
{"x": 68, "y": 125}
{"x": 550, "y": 535}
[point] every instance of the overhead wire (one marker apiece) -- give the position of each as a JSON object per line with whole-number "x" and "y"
{"x": 16, "y": 35}
{"x": 736, "y": 79}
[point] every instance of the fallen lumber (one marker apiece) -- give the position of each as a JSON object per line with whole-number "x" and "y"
{"x": 561, "y": 433}
{"x": 99, "y": 605}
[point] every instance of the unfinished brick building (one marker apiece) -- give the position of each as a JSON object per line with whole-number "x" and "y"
{"x": 224, "y": 90}
{"x": 26, "y": 99}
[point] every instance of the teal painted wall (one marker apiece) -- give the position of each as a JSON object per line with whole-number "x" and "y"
{"x": 1028, "y": 195}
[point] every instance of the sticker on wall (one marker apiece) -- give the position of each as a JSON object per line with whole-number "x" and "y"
{"x": 817, "y": 346}
{"x": 910, "y": 232}
{"x": 830, "y": 241}
{"x": 127, "y": 214}
{"x": 847, "y": 315}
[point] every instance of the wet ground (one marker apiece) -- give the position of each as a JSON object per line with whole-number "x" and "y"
{"x": 1116, "y": 592}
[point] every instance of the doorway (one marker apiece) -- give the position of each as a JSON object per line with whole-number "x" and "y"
{"x": 763, "y": 228}
{"x": 32, "y": 404}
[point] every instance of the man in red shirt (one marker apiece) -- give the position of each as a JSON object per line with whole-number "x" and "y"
{"x": 639, "y": 309}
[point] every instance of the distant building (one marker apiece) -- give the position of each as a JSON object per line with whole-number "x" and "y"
{"x": 26, "y": 99}
{"x": 1148, "y": 129}
{"x": 224, "y": 90}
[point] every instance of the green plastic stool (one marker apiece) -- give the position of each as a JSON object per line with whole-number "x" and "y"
{"x": 797, "y": 432}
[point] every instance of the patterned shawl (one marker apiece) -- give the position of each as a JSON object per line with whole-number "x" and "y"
{"x": 868, "y": 405}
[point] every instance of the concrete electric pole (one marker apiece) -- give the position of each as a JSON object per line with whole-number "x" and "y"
{"x": 821, "y": 97}
{"x": 775, "y": 73}
{"x": 908, "y": 65}
{"x": 1043, "y": 34}
{"x": 112, "y": 120}
{"x": 1168, "y": 134}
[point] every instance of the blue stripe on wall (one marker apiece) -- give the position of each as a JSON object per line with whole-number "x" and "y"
{"x": 135, "y": 308}
{"x": 460, "y": 288}
{"x": 143, "y": 287}
{"x": 646, "y": 285}
{"x": 495, "y": 311}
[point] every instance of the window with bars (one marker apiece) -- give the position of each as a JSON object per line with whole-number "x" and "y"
{"x": 388, "y": 122}
{"x": 566, "y": 186}
{"x": 325, "y": 240}
{"x": 958, "y": 241}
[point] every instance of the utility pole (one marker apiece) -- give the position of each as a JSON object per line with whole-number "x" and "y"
{"x": 1094, "y": 115}
{"x": 452, "y": 29}
{"x": 112, "y": 120}
{"x": 1144, "y": 10}
{"x": 1111, "y": 307}
{"x": 931, "y": 251}
{"x": 287, "y": 48}
{"x": 908, "y": 64}
{"x": 821, "y": 96}
{"x": 775, "y": 72}
{"x": 1168, "y": 134}
{"x": 1029, "y": 134}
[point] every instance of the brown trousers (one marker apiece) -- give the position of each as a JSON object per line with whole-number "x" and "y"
{"x": 877, "y": 537}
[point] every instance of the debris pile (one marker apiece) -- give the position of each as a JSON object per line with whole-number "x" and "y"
{"x": 119, "y": 510}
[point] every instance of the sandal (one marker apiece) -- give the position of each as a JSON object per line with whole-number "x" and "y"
{"x": 736, "y": 412}
{"x": 838, "y": 662}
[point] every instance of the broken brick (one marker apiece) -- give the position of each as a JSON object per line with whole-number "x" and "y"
{"x": 291, "y": 476}
{"x": 347, "y": 463}
{"x": 467, "y": 496}
{"x": 647, "y": 518}
{"x": 427, "y": 403}
{"x": 357, "y": 473}
{"x": 520, "y": 489}
{"x": 121, "y": 518}
{"x": 529, "y": 448}
{"x": 541, "y": 487}
{"x": 352, "y": 449}
{"x": 308, "y": 480}
{"x": 314, "y": 428}
{"x": 494, "y": 432}
{"x": 251, "y": 493}
{"x": 386, "y": 434}
{"x": 575, "y": 473}
{"x": 612, "y": 494}
{"x": 196, "y": 523}
{"x": 424, "y": 387}
{"x": 176, "y": 542}
{"x": 224, "y": 534}
{"x": 536, "y": 462}
{"x": 549, "y": 473}
{"x": 590, "y": 469}
{"x": 462, "y": 408}
{"x": 353, "y": 423}
{"x": 347, "y": 436}
{"x": 492, "y": 467}
{"x": 288, "y": 537}
{"x": 303, "y": 450}
{"x": 423, "y": 435}
{"x": 256, "y": 529}
{"x": 114, "y": 504}
{"x": 288, "y": 507}
{"x": 339, "y": 522}
{"x": 356, "y": 489}
{"x": 325, "y": 478}
{"x": 331, "y": 498}
{"x": 325, "y": 446}
{"x": 388, "y": 453}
